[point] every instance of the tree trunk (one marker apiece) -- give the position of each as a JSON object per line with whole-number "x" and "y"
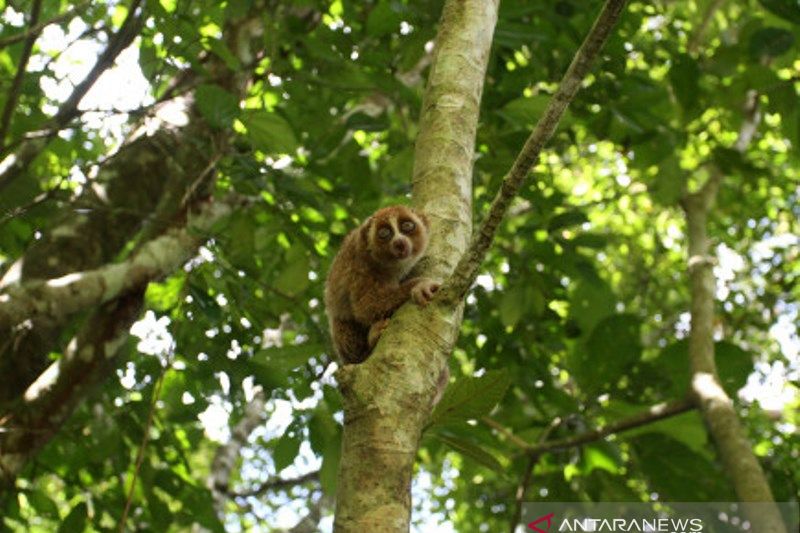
{"x": 388, "y": 398}
{"x": 716, "y": 407}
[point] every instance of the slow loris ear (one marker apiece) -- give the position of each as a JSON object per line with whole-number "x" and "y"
{"x": 363, "y": 232}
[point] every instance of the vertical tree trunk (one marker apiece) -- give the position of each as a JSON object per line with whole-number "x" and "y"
{"x": 717, "y": 409}
{"x": 387, "y": 399}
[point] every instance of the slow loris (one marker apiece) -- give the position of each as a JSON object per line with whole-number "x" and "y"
{"x": 367, "y": 280}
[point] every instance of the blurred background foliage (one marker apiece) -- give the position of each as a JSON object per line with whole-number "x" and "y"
{"x": 580, "y": 315}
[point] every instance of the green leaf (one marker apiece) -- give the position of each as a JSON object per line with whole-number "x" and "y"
{"x": 159, "y": 510}
{"x": 75, "y": 521}
{"x": 535, "y": 299}
{"x": 566, "y": 219}
{"x": 206, "y": 303}
{"x": 590, "y": 240}
{"x": 612, "y": 347}
{"x": 43, "y": 504}
{"x": 272, "y": 366}
{"x": 218, "y": 106}
{"x": 293, "y": 279}
{"x": 674, "y": 363}
{"x": 670, "y": 182}
{"x": 321, "y": 428}
{"x": 687, "y": 427}
{"x": 269, "y": 132}
{"x": 287, "y": 358}
{"x": 220, "y": 50}
{"x": 786, "y": 9}
{"x": 598, "y": 457}
{"x": 149, "y": 61}
{"x": 524, "y": 112}
{"x": 521, "y": 301}
{"x": 285, "y": 451}
{"x": 770, "y": 42}
{"x": 471, "y": 450}
{"x": 471, "y": 397}
{"x": 734, "y": 366}
{"x": 329, "y": 472}
{"x": 678, "y": 473}
{"x": 589, "y": 303}
{"x": 167, "y": 295}
{"x": 384, "y": 19}
{"x": 685, "y": 79}
{"x": 511, "y": 307}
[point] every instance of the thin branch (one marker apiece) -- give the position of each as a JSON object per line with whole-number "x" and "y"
{"x": 752, "y": 119}
{"x": 16, "y": 85}
{"x": 69, "y": 108}
{"x": 492, "y": 423}
{"x": 121, "y": 40}
{"x": 653, "y": 414}
{"x": 38, "y": 200}
{"x": 466, "y": 271}
{"x": 522, "y": 489}
{"x": 142, "y": 445}
{"x": 88, "y": 32}
{"x": 700, "y": 33}
{"x": 35, "y": 29}
{"x": 527, "y": 474}
{"x": 274, "y": 484}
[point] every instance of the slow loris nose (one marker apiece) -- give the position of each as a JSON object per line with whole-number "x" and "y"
{"x": 401, "y": 247}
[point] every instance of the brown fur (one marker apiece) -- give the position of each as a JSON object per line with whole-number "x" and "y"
{"x": 367, "y": 280}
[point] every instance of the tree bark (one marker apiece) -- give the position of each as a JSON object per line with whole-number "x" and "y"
{"x": 55, "y": 300}
{"x": 387, "y": 399}
{"x": 730, "y": 438}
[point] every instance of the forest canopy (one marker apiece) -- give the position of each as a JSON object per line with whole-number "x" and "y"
{"x": 177, "y": 176}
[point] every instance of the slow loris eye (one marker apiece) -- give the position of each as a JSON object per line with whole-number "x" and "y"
{"x": 407, "y": 226}
{"x": 384, "y": 233}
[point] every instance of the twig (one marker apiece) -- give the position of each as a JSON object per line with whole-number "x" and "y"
{"x": 653, "y": 414}
{"x": 69, "y": 108}
{"x": 522, "y": 488}
{"x": 39, "y": 199}
{"x": 13, "y": 92}
{"x": 89, "y": 31}
{"x": 273, "y": 484}
{"x": 140, "y": 452}
{"x": 122, "y": 39}
{"x": 700, "y": 33}
{"x": 467, "y": 269}
{"x": 36, "y": 28}
{"x": 505, "y": 432}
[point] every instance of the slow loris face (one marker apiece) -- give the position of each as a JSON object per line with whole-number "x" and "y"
{"x": 396, "y": 238}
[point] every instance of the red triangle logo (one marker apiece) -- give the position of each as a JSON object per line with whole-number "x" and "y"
{"x": 545, "y": 518}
